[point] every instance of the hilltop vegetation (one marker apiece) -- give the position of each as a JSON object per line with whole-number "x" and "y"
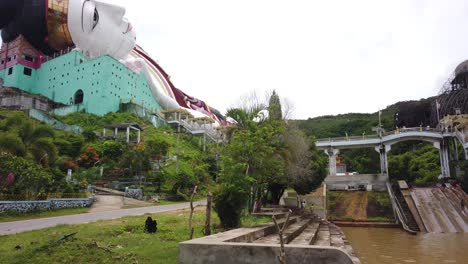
{"x": 414, "y": 161}
{"x": 35, "y": 152}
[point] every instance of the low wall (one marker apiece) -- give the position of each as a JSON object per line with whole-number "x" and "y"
{"x": 134, "y": 193}
{"x": 378, "y": 181}
{"x": 197, "y": 252}
{"x": 52, "y": 204}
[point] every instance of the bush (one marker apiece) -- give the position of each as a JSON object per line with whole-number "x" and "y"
{"x": 228, "y": 205}
{"x": 232, "y": 194}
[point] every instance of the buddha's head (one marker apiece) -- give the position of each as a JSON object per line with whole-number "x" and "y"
{"x": 100, "y": 28}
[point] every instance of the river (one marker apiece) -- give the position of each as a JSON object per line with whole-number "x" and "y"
{"x": 392, "y": 245}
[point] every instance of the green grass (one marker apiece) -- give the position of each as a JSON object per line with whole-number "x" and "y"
{"x": 251, "y": 221}
{"x": 13, "y": 216}
{"x": 125, "y": 238}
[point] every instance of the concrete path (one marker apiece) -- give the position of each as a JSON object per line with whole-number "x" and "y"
{"x": 105, "y": 203}
{"x": 36, "y": 224}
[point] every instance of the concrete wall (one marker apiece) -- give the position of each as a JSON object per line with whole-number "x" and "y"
{"x": 232, "y": 253}
{"x": 52, "y": 204}
{"x": 378, "y": 181}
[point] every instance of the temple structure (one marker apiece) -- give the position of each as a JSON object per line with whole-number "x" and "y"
{"x": 83, "y": 56}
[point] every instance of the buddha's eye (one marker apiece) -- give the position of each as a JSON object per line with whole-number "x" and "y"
{"x": 95, "y": 18}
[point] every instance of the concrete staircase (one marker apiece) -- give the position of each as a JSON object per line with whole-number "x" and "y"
{"x": 410, "y": 221}
{"x": 270, "y": 212}
{"x": 309, "y": 231}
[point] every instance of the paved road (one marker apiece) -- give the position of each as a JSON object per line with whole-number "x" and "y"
{"x": 28, "y": 225}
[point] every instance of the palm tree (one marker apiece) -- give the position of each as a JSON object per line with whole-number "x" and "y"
{"x": 30, "y": 140}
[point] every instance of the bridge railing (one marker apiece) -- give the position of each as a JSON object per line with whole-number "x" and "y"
{"x": 394, "y": 132}
{"x": 352, "y": 138}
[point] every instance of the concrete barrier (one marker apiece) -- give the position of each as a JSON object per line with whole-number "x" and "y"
{"x": 199, "y": 251}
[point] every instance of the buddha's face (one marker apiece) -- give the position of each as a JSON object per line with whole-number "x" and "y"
{"x": 99, "y": 28}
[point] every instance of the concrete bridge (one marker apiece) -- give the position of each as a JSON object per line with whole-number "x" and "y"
{"x": 383, "y": 144}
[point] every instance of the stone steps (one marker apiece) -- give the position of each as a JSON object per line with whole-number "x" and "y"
{"x": 291, "y": 232}
{"x": 308, "y": 236}
{"x": 271, "y": 214}
{"x": 323, "y": 235}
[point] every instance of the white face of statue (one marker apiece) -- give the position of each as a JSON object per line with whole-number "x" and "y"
{"x": 99, "y": 28}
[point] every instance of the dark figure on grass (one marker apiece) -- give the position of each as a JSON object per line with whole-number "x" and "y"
{"x": 151, "y": 226}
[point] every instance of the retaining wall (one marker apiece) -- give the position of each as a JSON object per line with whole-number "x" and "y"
{"x": 378, "y": 181}
{"x": 52, "y": 204}
{"x": 195, "y": 252}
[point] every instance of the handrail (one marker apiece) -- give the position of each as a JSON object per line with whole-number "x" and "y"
{"x": 216, "y": 137}
{"x": 461, "y": 136}
{"x": 395, "y": 132}
{"x": 399, "y": 211}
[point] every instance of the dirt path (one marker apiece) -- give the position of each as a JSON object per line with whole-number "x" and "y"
{"x": 357, "y": 206}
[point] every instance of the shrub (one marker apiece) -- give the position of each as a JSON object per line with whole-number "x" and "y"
{"x": 228, "y": 205}
{"x": 232, "y": 194}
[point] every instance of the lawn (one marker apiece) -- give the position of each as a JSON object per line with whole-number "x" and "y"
{"x": 112, "y": 241}
{"x": 11, "y": 216}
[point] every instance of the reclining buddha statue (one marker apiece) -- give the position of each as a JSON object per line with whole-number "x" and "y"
{"x": 95, "y": 28}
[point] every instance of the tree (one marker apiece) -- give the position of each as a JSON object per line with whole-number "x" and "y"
{"x": 257, "y": 145}
{"x": 298, "y": 170}
{"x": 36, "y": 141}
{"x": 29, "y": 177}
{"x": 88, "y": 158}
{"x": 274, "y": 107}
{"x": 231, "y": 195}
{"x": 12, "y": 144}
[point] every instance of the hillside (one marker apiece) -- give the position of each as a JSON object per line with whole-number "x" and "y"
{"x": 411, "y": 114}
{"x": 414, "y": 161}
{"x": 41, "y": 152}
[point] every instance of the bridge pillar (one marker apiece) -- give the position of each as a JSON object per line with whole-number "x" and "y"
{"x": 331, "y": 152}
{"x": 443, "y": 148}
{"x": 383, "y": 152}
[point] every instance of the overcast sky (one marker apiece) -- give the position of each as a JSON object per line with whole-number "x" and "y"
{"x": 326, "y": 57}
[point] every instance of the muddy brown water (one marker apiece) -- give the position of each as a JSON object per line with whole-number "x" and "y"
{"x": 392, "y": 245}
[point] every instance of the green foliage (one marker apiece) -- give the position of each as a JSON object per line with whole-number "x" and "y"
{"x": 89, "y": 157}
{"x": 274, "y": 107}
{"x": 29, "y": 177}
{"x": 12, "y": 144}
{"x": 232, "y": 194}
{"x": 420, "y": 165}
{"x": 158, "y": 147}
{"x": 112, "y": 150}
{"x": 69, "y": 144}
{"x": 58, "y": 151}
